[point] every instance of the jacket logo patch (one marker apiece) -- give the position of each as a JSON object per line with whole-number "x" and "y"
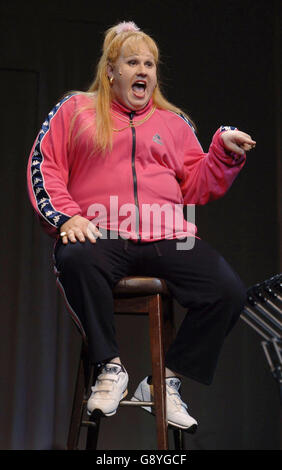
{"x": 157, "y": 139}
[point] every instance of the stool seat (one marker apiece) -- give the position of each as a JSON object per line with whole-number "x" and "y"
{"x": 138, "y": 285}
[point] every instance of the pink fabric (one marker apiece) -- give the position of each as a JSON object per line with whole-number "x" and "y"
{"x": 65, "y": 178}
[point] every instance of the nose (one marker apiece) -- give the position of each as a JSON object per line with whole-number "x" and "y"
{"x": 141, "y": 70}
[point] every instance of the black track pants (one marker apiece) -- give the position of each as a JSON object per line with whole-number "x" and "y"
{"x": 199, "y": 279}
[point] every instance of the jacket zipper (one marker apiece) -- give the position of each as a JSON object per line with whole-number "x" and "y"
{"x": 134, "y": 174}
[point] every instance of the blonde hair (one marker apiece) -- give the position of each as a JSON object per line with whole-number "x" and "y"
{"x": 100, "y": 88}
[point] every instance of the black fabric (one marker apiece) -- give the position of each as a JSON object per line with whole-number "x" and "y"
{"x": 199, "y": 279}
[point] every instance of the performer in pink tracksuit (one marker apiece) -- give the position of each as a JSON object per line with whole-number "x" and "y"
{"x": 109, "y": 175}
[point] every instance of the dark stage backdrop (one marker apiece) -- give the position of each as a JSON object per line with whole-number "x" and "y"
{"x": 220, "y": 62}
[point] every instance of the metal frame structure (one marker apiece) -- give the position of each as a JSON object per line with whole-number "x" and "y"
{"x": 263, "y": 314}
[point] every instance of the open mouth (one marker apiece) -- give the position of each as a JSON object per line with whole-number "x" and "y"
{"x": 139, "y": 88}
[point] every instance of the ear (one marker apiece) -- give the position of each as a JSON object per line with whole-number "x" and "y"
{"x": 110, "y": 70}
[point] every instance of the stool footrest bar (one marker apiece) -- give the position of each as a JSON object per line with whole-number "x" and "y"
{"x": 89, "y": 424}
{"x": 137, "y": 403}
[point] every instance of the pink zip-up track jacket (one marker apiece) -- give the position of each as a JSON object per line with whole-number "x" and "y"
{"x": 139, "y": 188}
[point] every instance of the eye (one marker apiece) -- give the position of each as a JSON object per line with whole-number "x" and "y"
{"x": 132, "y": 62}
{"x": 149, "y": 63}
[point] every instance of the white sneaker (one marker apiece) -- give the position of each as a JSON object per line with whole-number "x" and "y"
{"x": 176, "y": 409}
{"x": 110, "y": 388}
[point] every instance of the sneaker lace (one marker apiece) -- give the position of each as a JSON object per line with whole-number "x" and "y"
{"x": 174, "y": 386}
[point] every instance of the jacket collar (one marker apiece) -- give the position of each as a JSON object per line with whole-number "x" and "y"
{"x": 118, "y": 107}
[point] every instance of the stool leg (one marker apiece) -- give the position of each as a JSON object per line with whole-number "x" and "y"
{"x": 93, "y": 433}
{"x": 94, "y": 420}
{"x": 158, "y": 369}
{"x": 169, "y": 334}
{"x": 168, "y": 322}
{"x": 178, "y": 435}
{"x": 77, "y": 408}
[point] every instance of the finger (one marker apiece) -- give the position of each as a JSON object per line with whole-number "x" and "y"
{"x": 249, "y": 141}
{"x": 90, "y": 235}
{"x": 65, "y": 240}
{"x": 64, "y": 237}
{"x": 246, "y": 144}
{"x": 241, "y": 144}
{"x": 248, "y": 147}
{"x": 245, "y": 138}
{"x": 71, "y": 236}
{"x": 79, "y": 235}
{"x": 92, "y": 229}
{"x": 235, "y": 148}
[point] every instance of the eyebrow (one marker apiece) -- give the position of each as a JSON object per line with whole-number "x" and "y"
{"x": 150, "y": 57}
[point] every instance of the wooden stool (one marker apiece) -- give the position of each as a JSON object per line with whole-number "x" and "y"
{"x": 133, "y": 296}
